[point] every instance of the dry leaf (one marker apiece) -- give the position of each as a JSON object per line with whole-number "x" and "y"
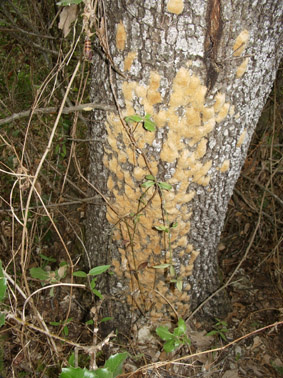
{"x": 200, "y": 339}
{"x": 256, "y": 342}
{"x": 67, "y": 16}
{"x": 62, "y": 271}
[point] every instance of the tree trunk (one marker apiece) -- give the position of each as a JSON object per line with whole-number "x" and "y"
{"x": 202, "y": 70}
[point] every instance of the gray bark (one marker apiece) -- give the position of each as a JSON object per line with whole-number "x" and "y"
{"x": 203, "y": 70}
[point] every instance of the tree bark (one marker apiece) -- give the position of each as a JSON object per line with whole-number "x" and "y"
{"x": 203, "y": 71}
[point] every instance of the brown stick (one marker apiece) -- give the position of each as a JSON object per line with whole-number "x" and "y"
{"x": 54, "y": 109}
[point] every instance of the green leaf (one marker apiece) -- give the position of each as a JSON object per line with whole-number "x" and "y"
{"x": 164, "y": 333}
{"x": 2, "y": 319}
{"x": 133, "y": 118}
{"x": 177, "y": 332}
{"x": 64, "y": 3}
{"x": 103, "y": 373}
{"x": 93, "y": 283}
{"x": 79, "y": 273}
{"x": 97, "y": 293}
{"x": 171, "y": 345}
{"x": 71, "y": 360}
{"x": 89, "y": 322}
{"x": 164, "y": 185}
{"x": 64, "y": 150}
{"x": 50, "y": 259}
{"x": 172, "y": 271}
{"x": 161, "y": 228}
{"x": 55, "y": 323}
{"x": 161, "y": 266}
{"x": 150, "y": 177}
{"x": 72, "y": 372}
{"x": 212, "y": 333}
{"x": 39, "y": 273}
{"x": 149, "y": 125}
{"x": 115, "y": 362}
{"x": 222, "y": 335}
{"x": 98, "y": 270}
{"x": 179, "y": 285}
{"x": 66, "y": 331}
{"x": 182, "y": 325}
{"x": 3, "y": 283}
{"x": 106, "y": 319}
{"x": 69, "y": 320}
{"x": 148, "y": 184}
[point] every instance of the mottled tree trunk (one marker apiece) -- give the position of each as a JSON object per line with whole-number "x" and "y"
{"x": 202, "y": 70}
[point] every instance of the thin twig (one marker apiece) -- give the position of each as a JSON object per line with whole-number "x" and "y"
{"x": 17, "y": 29}
{"x": 53, "y": 205}
{"x": 170, "y": 304}
{"x": 53, "y": 109}
{"x": 263, "y": 188}
{"x": 86, "y": 348}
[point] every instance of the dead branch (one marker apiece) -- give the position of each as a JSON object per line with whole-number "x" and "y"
{"x": 54, "y": 109}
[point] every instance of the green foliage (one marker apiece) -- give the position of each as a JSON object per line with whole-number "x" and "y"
{"x": 219, "y": 329}
{"x": 151, "y": 181}
{"x": 3, "y": 288}
{"x": 111, "y": 369}
{"x": 64, "y": 323}
{"x": 64, "y": 3}
{"x": 93, "y": 272}
{"x": 3, "y": 283}
{"x": 147, "y": 123}
{"x": 98, "y": 270}
{"x": 175, "y": 339}
{"x": 80, "y": 273}
{"x": 46, "y": 258}
{"x": 166, "y": 228}
{"x": 49, "y": 276}
{"x": 106, "y": 319}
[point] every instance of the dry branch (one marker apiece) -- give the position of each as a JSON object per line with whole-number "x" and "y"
{"x": 54, "y": 109}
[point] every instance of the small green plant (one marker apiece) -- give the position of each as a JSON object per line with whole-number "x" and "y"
{"x": 3, "y": 288}
{"x": 69, "y": 2}
{"x": 112, "y": 368}
{"x": 175, "y": 339}
{"x": 151, "y": 181}
{"x": 219, "y": 329}
{"x": 64, "y": 324}
{"x": 166, "y": 228}
{"x": 147, "y": 123}
{"x": 93, "y": 272}
{"x": 50, "y": 277}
